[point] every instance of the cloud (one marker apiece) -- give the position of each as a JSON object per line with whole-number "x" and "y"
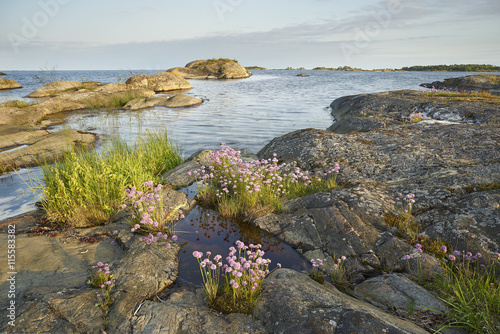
{"x": 418, "y": 27}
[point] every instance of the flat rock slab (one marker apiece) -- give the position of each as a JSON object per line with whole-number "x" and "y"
{"x": 55, "y": 88}
{"x": 294, "y": 303}
{"x": 397, "y": 291}
{"x": 183, "y": 175}
{"x": 58, "y": 88}
{"x": 46, "y": 148}
{"x": 52, "y": 294}
{"x": 11, "y": 136}
{"x": 159, "y": 82}
{"x": 490, "y": 82}
{"x": 9, "y": 84}
{"x": 176, "y": 101}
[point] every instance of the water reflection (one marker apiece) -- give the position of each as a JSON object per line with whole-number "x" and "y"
{"x": 203, "y": 230}
{"x": 16, "y": 196}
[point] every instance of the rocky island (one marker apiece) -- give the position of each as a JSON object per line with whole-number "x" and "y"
{"x": 442, "y": 149}
{"x": 222, "y": 68}
{"x": 9, "y": 84}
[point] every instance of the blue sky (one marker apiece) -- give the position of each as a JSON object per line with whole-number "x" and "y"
{"x": 156, "y": 35}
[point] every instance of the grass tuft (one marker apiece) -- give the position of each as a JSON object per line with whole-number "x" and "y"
{"x": 84, "y": 188}
{"x": 470, "y": 96}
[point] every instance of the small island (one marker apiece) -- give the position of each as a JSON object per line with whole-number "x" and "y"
{"x": 252, "y": 68}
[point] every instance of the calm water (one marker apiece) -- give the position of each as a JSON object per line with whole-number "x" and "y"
{"x": 244, "y": 113}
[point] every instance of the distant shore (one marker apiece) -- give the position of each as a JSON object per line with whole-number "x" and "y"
{"x": 429, "y": 68}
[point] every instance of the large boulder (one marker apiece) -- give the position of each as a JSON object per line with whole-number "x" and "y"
{"x": 176, "y": 101}
{"x": 455, "y": 182}
{"x": 159, "y": 82}
{"x": 294, "y": 303}
{"x": 488, "y": 82}
{"x": 183, "y": 176}
{"x": 395, "y": 291}
{"x": 55, "y": 88}
{"x": 9, "y": 84}
{"x": 222, "y": 68}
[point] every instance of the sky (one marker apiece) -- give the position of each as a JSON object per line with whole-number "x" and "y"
{"x": 160, "y": 34}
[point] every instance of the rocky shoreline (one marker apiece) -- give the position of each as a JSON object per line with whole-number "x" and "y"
{"x": 448, "y": 156}
{"x": 482, "y": 82}
{"x": 20, "y": 119}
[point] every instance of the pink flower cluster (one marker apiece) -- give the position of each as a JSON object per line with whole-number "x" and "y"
{"x": 231, "y": 176}
{"x": 244, "y": 270}
{"x": 405, "y": 203}
{"x": 150, "y": 239}
{"x": 456, "y": 255}
{"x": 101, "y": 276}
{"x": 337, "y": 273}
{"x": 102, "y": 267}
{"x": 149, "y": 214}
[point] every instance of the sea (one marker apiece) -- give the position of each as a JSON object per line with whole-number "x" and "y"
{"x": 246, "y": 113}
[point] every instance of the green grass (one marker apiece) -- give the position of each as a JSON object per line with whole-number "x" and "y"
{"x": 85, "y": 188}
{"x": 470, "y": 290}
{"x": 17, "y": 104}
{"x": 471, "y": 293}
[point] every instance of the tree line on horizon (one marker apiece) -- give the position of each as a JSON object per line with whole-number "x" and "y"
{"x": 454, "y": 68}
